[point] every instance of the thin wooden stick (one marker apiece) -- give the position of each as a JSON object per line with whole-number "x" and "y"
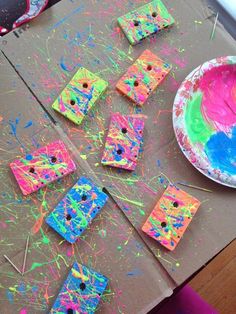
{"x": 195, "y": 187}
{"x": 214, "y": 27}
{"x": 13, "y": 265}
{"x": 25, "y": 255}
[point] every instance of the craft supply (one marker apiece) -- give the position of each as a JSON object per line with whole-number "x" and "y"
{"x": 204, "y": 119}
{"x": 77, "y": 209}
{"x": 81, "y": 291}
{"x": 214, "y": 27}
{"x": 13, "y": 265}
{"x": 80, "y": 95}
{"x": 123, "y": 141}
{"x": 144, "y": 21}
{"x": 171, "y": 217}
{"x": 25, "y": 255}
{"x": 43, "y": 166}
{"x": 143, "y": 77}
{"x": 195, "y": 187}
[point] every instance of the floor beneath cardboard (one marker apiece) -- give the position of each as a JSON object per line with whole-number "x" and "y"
{"x": 216, "y": 283}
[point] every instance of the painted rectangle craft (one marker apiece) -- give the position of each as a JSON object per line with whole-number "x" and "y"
{"x": 123, "y": 141}
{"x": 43, "y": 166}
{"x": 77, "y": 209}
{"x": 80, "y": 95}
{"x": 171, "y": 217}
{"x": 145, "y": 21}
{"x": 143, "y": 77}
{"x": 81, "y": 292}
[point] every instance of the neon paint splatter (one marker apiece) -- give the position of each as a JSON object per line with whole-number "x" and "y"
{"x": 81, "y": 291}
{"x": 171, "y": 217}
{"x": 45, "y": 165}
{"x": 77, "y": 209}
{"x": 80, "y": 95}
{"x": 145, "y": 21}
{"x": 123, "y": 141}
{"x": 143, "y": 77}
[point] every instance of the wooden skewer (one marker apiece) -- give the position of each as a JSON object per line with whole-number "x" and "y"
{"x": 25, "y": 255}
{"x": 13, "y": 265}
{"x": 195, "y": 187}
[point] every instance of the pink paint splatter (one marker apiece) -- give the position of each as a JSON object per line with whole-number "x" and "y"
{"x": 219, "y": 96}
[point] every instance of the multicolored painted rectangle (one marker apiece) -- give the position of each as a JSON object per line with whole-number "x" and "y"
{"x": 77, "y": 209}
{"x": 123, "y": 141}
{"x": 171, "y": 217}
{"x": 143, "y": 77}
{"x": 145, "y": 21}
{"x": 81, "y": 291}
{"x": 80, "y": 95}
{"x": 43, "y": 166}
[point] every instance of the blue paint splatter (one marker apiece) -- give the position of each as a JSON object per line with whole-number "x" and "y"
{"x": 28, "y": 124}
{"x": 13, "y": 125}
{"x": 10, "y": 297}
{"x": 35, "y": 289}
{"x": 65, "y": 18}
{"x": 22, "y": 288}
{"x": 135, "y": 272}
{"x": 66, "y": 67}
{"x": 221, "y": 151}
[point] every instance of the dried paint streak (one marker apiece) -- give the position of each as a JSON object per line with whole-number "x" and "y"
{"x": 65, "y": 18}
{"x": 171, "y": 217}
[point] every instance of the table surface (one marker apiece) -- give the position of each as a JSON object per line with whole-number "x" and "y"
{"x": 46, "y": 55}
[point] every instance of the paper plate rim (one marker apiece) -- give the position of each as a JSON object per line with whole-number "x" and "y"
{"x": 179, "y": 102}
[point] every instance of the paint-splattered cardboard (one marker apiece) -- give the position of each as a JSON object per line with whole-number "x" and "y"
{"x": 48, "y": 54}
{"x": 110, "y": 245}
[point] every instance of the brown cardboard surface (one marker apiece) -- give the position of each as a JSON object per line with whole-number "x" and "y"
{"x": 75, "y": 33}
{"x": 110, "y": 245}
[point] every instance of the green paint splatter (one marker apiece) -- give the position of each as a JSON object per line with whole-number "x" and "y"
{"x": 102, "y": 233}
{"x": 142, "y": 212}
{"x": 198, "y": 129}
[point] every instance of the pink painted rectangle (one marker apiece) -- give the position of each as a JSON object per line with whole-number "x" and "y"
{"x": 43, "y": 166}
{"x": 123, "y": 141}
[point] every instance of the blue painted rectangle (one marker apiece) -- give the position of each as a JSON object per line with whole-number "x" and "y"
{"x": 81, "y": 291}
{"x": 77, "y": 209}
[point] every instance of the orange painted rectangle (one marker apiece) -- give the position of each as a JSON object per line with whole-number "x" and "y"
{"x": 171, "y": 217}
{"x": 143, "y": 77}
